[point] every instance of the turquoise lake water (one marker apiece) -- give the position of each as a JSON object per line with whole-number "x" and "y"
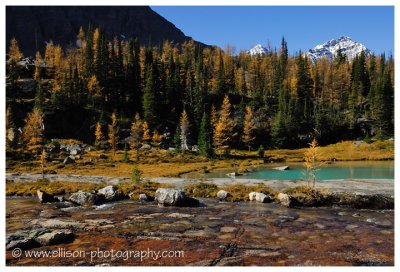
{"x": 356, "y": 172}
{"x": 339, "y": 170}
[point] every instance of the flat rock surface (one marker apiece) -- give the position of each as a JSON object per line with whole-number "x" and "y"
{"x": 216, "y": 234}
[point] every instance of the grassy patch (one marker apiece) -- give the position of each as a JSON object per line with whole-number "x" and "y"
{"x": 62, "y": 188}
{"x": 164, "y": 163}
{"x": 51, "y": 187}
{"x": 201, "y": 189}
{"x": 306, "y": 195}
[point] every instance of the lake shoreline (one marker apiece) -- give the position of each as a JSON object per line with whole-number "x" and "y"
{"x": 362, "y": 186}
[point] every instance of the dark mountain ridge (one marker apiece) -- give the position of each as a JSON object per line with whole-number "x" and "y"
{"x": 33, "y": 26}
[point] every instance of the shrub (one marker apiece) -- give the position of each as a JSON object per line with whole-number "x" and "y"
{"x": 201, "y": 189}
{"x": 261, "y": 151}
{"x": 136, "y": 173}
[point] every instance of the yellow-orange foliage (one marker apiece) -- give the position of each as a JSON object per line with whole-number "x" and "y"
{"x": 113, "y": 133}
{"x": 32, "y": 134}
{"x": 146, "y": 133}
{"x": 13, "y": 51}
{"x": 312, "y": 160}
{"x": 157, "y": 138}
{"x": 214, "y": 116}
{"x": 248, "y": 127}
{"x": 224, "y": 129}
{"x": 136, "y": 132}
{"x": 98, "y": 134}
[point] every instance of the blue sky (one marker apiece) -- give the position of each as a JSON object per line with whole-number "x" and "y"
{"x": 303, "y": 27}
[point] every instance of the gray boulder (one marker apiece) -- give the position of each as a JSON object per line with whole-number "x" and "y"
{"x": 37, "y": 237}
{"x": 109, "y": 193}
{"x": 169, "y": 197}
{"x": 46, "y": 197}
{"x": 75, "y": 149}
{"x": 285, "y": 200}
{"x": 143, "y": 197}
{"x": 27, "y": 84}
{"x": 69, "y": 160}
{"x": 222, "y": 195}
{"x": 260, "y": 197}
{"x": 174, "y": 197}
{"x": 25, "y": 243}
{"x": 146, "y": 147}
{"x": 282, "y": 168}
{"x": 55, "y": 237}
{"x": 24, "y": 239}
{"x": 84, "y": 198}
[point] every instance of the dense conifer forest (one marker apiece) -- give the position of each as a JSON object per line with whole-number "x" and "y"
{"x": 188, "y": 95}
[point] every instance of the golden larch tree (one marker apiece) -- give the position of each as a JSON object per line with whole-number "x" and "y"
{"x": 94, "y": 89}
{"x": 13, "y": 51}
{"x": 113, "y": 133}
{"x": 214, "y": 116}
{"x": 224, "y": 129}
{"x": 38, "y": 63}
{"x": 136, "y": 132}
{"x": 98, "y": 134}
{"x": 157, "y": 138}
{"x": 33, "y": 133}
{"x": 49, "y": 54}
{"x": 184, "y": 126}
{"x": 96, "y": 36}
{"x": 312, "y": 160}
{"x": 146, "y": 133}
{"x": 248, "y": 128}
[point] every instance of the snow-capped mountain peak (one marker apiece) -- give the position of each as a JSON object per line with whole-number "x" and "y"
{"x": 257, "y": 50}
{"x": 330, "y": 48}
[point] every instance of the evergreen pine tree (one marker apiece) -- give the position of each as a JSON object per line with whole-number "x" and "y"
{"x": 126, "y": 154}
{"x": 149, "y": 99}
{"x": 177, "y": 138}
{"x": 205, "y": 137}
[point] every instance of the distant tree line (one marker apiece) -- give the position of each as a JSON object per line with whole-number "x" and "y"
{"x": 185, "y": 95}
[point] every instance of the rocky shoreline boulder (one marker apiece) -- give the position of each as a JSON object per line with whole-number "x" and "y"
{"x": 68, "y": 160}
{"x": 37, "y": 237}
{"x": 55, "y": 237}
{"x": 361, "y": 201}
{"x": 84, "y": 198}
{"x": 109, "y": 193}
{"x": 46, "y": 197}
{"x": 285, "y": 200}
{"x": 260, "y": 197}
{"x": 174, "y": 197}
{"x": 222, "y": 195}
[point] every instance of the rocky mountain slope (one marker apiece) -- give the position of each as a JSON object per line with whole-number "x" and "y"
{"x": 330, "y": 48}
{"x": 33, "y": 26}
{"x": 257, "y": 50}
